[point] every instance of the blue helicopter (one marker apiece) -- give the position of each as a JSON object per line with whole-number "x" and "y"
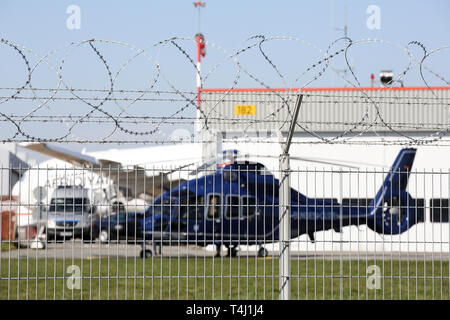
{"x": 237, "y": 203}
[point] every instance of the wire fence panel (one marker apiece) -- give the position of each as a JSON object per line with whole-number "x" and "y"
{"x": 213, "y": 233}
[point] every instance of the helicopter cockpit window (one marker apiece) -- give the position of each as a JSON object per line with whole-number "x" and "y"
{"x": 233, "y": 206}
{"x": 248, "y": 206}
{"x": 214, "y": 206}
{"x": 192, "y": 208}
{"x": 229, "y": 176}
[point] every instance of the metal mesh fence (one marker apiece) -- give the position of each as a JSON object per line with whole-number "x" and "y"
{"x": 214, "y": 234}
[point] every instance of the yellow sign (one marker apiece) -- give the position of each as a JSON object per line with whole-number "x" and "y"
{"x": 245, "y": 110}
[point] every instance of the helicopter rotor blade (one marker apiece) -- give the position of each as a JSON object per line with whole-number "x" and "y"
{"x": 334, "y": 162}
{"x": 339, "y": 163}
{"x": 205, "y": 166}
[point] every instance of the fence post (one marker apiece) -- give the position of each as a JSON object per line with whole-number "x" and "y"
{"x": 341, "y": 237}
{"x": 285, "y": 228}
{"x": 285, "y": 209}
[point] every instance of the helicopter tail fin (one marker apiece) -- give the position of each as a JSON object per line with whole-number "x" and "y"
{"x": 392, "y": 211}
{"x": 398, "y": 176}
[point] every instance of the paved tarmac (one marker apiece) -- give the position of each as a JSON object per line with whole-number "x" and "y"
{"x": 77, "y": 249}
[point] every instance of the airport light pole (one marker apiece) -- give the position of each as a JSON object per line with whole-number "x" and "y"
{"x": 285, "y": 210}
{"x": 200, "y": 40}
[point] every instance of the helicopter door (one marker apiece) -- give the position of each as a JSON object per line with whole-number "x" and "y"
{"x": 241, "y": 214}
{"x": 249, "y": 215}
{"x": 232, "y": 221}
{"x": 189, "y": 217}
{"x": 213, "y": 225}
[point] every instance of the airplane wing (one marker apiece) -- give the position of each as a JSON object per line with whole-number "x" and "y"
{"x": 75, "y": 158}
{"x": 134, "y": 179}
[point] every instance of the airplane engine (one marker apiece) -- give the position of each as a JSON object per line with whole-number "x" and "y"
{"x": 395, "y": 214}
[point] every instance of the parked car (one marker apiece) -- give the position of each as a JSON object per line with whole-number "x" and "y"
{"x": 119, "y": 226}
{"x": 69, "y": 214}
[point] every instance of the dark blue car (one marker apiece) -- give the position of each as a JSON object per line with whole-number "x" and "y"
{"x": 119, "y": 226}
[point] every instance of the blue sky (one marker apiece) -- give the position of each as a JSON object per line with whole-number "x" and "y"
{"x": 41, "y": 25}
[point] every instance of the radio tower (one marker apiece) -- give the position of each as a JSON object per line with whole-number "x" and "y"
{"x": 200, "y": 39}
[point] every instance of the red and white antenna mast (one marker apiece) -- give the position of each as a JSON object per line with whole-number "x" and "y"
{"x": 200, "y": 39}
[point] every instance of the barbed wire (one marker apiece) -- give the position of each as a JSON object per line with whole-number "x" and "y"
{"x": 187, "y": 121}
{"x": 122, "y": 115}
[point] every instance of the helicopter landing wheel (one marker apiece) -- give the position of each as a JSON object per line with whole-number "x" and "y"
{"x": 146, "y": 254}
{"x": 232, "y": 251}
{"x": 262, "y": 252}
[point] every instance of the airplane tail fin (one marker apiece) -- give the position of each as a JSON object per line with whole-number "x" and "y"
{"x": 393, "y": 209}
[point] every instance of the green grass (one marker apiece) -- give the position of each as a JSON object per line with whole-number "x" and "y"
{"x": 224, "y": 278}
{"x": 6, "y": 247}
